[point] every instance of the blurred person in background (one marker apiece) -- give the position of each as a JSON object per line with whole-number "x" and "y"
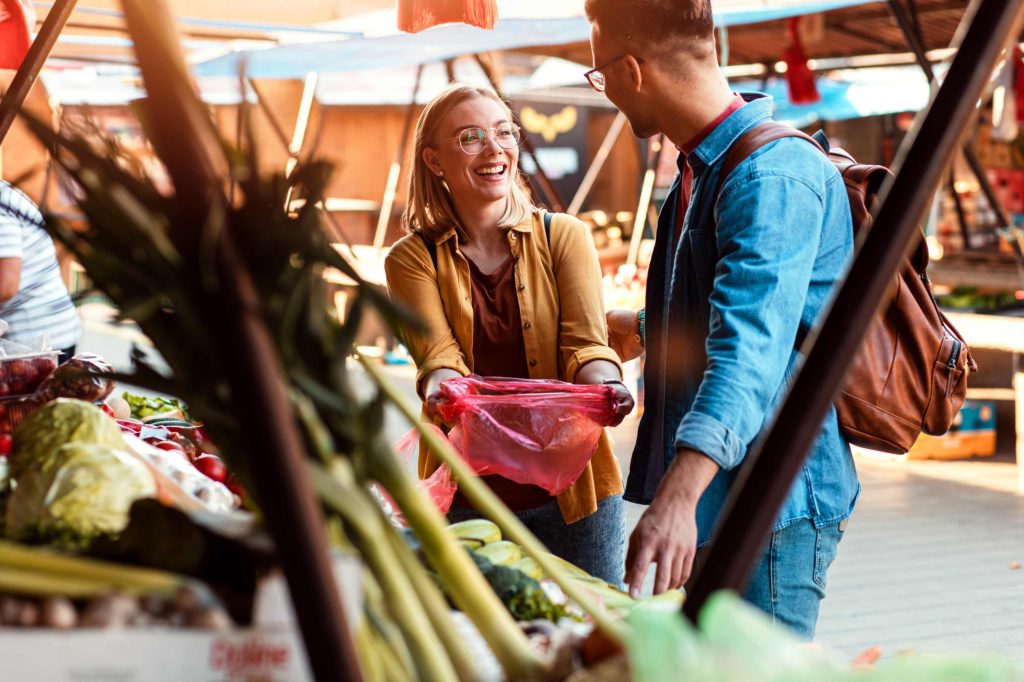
{"x": 498, "y": 300}
{"x": 34, "y": 300}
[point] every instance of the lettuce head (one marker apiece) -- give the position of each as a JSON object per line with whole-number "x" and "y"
{"x": 84, "y": 490}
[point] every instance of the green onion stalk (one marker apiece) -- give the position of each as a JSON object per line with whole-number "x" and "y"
{"x": 29, "y": 570}
{"x": 467, "y": 586}
{"x": 367, "y": 530}
{"x": 484, "y": 499}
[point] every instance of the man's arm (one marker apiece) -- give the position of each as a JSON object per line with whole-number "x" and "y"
{"x": 10, "y": 278}
{"x": 667, "y": 532}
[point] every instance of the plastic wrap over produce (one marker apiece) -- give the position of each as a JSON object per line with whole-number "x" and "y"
{"x": 531, "y": 431}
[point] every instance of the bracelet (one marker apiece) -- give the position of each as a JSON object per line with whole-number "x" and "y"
{"x": 641, "y": 318}
{"x": 605, "y": 382}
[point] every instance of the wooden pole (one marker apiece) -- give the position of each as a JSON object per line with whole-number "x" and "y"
{"x": 646, "y": 191}
{"x": 597, "y": 164}
{"x": 388, "y": 202}
{"x": 29, "y": 70}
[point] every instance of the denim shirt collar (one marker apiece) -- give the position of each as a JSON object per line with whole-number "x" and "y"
{"x": 715, "y": 145}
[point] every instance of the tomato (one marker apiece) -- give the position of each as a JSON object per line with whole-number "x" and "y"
{"x": 212, "y": 466}
{"x": 170, "y": 446}
{"x": 5, "y": 444}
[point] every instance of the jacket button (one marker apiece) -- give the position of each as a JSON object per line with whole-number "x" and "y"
{"x": 527, "y": 325}
{"x": 533, "y": 363}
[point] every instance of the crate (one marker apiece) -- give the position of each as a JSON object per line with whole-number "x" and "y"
{"x": 973, "y": 434}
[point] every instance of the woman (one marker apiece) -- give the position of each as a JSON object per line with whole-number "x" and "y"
{"x": 498, "y": 300}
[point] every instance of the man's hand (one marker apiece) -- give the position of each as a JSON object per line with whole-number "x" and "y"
{"x": 666, "y": 535}
{"x": 624, "y": 334}
{"x": 622, "y": 402}
{"x": 667, "y": 532}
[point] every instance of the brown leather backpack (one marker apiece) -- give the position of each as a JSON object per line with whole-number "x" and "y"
{"x": 910, "y": 374}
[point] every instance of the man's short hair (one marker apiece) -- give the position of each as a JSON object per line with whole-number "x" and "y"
{"x": 675, "y": 24}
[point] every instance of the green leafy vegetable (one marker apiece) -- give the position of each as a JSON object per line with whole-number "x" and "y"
{"x": 522, "y": 595}
{"x": 55, "y": 424}
{"x": 82, "y": 491}
{"x": 143, "y": 406}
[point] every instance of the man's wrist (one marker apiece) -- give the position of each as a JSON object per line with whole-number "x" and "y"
{"x": 688, "y": 477}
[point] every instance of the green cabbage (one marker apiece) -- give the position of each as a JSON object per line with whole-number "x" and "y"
{"x": 84, "y": 490}
{"x": 55, "y": 424}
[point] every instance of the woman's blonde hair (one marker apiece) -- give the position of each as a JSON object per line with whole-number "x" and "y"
{"x": 430, "y": 210}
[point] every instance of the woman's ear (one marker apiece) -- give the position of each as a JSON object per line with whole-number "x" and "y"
{"x": 430, "y": 158}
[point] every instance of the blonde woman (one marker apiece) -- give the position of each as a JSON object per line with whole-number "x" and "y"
{"x": 499, "y": 300}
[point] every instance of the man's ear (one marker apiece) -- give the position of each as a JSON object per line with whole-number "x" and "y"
{"x": 636, "y": 75}
{"x": 430, "y": 158}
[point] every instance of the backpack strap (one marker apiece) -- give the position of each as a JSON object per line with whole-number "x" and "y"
{"x": 547, "y": 227}
{"x": 431, "y": 249}
{"x": 755, "y": 138}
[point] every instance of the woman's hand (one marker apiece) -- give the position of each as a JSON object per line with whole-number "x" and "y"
{"x": 607, "y": 373}
{"x": 432, "y": 396}
{"x": 622, "y": 401}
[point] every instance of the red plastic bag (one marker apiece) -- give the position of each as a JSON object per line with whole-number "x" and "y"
{"x": 532, "y": 431}
{"x": 439, "y": 486}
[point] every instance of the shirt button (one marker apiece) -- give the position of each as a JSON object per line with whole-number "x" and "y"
{"x": 512, "y": 235}
{"x": 527, "y": 325}
{"x": 533, "y": 363}
{"x": 521, "y": 287}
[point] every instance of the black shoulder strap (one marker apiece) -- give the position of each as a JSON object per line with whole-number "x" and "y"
{"x": 431, "y": 249}
{"x": 547, "y": 227}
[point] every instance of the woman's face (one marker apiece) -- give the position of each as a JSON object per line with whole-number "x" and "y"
{"x": 481, "y": 178}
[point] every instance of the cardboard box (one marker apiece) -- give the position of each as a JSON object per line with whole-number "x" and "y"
{"x": 973, "y": 434}
{"x": 152, "y": 655}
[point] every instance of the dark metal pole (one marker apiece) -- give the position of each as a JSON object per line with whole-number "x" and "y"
{"x": 915, "y": 40}
{"x": 961, "y": 218}
{"x": 29, "y": 70}
{"x": 775, "y": 460}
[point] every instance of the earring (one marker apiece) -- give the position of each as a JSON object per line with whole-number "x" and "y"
{"x": 440, "y": 174}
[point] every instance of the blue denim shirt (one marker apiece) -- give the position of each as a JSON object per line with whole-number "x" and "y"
{"x": 724, "y": 309}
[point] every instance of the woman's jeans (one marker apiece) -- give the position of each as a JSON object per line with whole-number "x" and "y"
{"x": 789, "y": 582}
{"x": 595, "y": 543}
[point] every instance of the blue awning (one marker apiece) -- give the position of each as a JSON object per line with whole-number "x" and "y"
{"x": 454, "y": 40}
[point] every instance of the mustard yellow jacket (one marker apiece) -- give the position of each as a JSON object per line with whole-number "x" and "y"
{"x": 562, "y": 310}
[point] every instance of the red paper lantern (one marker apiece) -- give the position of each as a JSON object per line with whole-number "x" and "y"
{"x": 16, "y": 20}
{"x": 799, "y": 78}
{"x": 417, "y": 15}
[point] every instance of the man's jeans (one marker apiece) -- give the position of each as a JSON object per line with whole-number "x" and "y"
{"x": 789, "y": 582}
{"x": 595, "y": 543}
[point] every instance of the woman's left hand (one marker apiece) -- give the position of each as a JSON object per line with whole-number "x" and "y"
{"x": 622, "y": 401}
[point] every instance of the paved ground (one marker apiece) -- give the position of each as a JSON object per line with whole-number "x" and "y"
{"x": 927, "y": 563}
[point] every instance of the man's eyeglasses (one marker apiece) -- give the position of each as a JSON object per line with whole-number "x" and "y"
{"x": 474, "y": 140}
{"x": 596, "y": 75}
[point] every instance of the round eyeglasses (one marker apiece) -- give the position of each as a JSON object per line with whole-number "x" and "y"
{"x": 474, "y": 140}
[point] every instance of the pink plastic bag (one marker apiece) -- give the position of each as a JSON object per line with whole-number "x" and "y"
{"x": 531, "y": 431}
{"x": 439, "y": 486}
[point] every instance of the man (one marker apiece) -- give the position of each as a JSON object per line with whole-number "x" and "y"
{"x": 736, "y": 275}
{"x": 33, "y": 298}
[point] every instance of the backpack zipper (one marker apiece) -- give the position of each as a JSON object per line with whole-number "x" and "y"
{"x": 954, "y": 356}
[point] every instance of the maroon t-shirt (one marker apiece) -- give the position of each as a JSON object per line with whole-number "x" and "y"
{"x": 499, "y": 351}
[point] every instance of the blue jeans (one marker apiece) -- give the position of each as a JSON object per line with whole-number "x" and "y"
{"x": 789, "y": 582}
{"x": 595, "y": 543}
